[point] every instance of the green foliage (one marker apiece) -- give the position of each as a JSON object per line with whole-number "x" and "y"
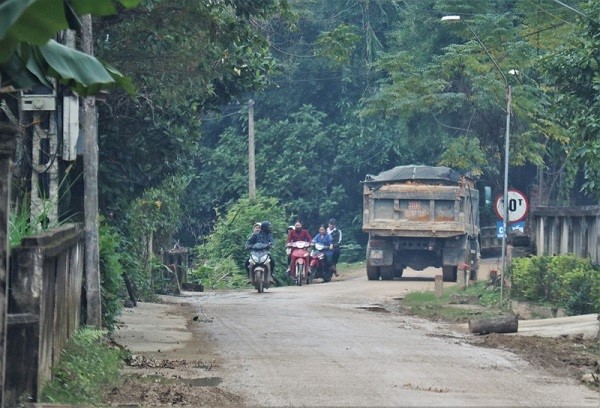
{"x": 464, "y": 154}
{"x": 19, "y": 225}
{"x": 233, "y": 229}
{"x": 158, "y": 211}
{"x": 155, "y": 215}
{"x": 219, "y": 274}
{"x": 111, "y": 278}
{"x": 86, "y": 371}
{"x": 425, "y": 304}
{"x": 29, "y": 56}
{"x": 563, "y": 280}
{"x": 137, "y": 271}
{"x": 22, "y": 224}
{"x": 338, "y": 44}
{"x": 571, "y": 73}
{"x": 392, "y": 85}
{"x": 203, "y": 55}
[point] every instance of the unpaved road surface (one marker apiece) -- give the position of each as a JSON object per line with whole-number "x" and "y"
{"x": 337, "y": 344}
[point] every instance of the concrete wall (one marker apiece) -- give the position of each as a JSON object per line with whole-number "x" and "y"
{"x": 567, "y": 230}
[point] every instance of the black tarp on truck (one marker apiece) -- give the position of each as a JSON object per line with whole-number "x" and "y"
{"x": 420, "y": 216}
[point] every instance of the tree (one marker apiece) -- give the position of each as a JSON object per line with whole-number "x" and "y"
{"x": 29, "y": 56}
{"x": 572, "y": 72}
{"x": 186, "y": 57}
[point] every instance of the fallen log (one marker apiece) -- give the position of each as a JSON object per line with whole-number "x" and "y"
{"x": 500, "y": 324}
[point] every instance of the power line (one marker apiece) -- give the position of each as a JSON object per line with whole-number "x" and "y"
{"x": 570, "y": 8}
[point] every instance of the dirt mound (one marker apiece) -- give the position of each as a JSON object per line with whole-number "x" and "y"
{"x": 149, "y": 391}
{"x": 575, "y": 358}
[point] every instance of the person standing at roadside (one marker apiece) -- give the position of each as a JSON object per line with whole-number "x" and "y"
{"x": 336, "y": 239}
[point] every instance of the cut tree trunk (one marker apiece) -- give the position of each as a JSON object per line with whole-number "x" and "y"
{"x": 500, "y": 324}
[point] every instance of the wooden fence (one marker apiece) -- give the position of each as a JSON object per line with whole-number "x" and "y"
{"x": 44, "y": 308}
{"x": 568, "y": 230}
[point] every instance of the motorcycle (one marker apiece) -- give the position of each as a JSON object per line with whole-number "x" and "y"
{"x": 299, "y": 254}
{"x": 260, "y": 269}
{"x": 317, "y": 264}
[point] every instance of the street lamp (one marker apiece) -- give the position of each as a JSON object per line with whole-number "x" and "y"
{"x": 508, "y": 95}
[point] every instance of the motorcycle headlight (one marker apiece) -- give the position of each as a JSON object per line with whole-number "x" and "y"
{"x": 263, "y": 258}
{"x": 255, "y": 259}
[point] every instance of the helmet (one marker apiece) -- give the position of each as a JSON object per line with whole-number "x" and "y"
{"x": 291, "y": 227}
{"x": 265, "y": 226}
{"x": 257, "y": 224}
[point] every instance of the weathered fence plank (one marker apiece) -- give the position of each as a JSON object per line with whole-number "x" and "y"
{"x": 7, "y": 151}
{"x": 45, "y": 285}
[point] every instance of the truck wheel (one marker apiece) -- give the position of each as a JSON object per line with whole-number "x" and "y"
{"x": 372, "y": 272}
{"x": 449, "y": 273}
{"x": 387, "y": 272}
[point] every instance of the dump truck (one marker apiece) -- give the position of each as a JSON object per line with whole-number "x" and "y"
{"x": 418, "y": 217}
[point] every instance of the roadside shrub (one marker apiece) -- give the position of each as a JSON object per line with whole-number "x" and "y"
{"x": 563, "y": 281}
{"x": 87, "y": 369}
{"x": 149, "y": 223}
{"x": 232, "y": 230}
{"x": 219, "y": 274}
{"x": 111, "y": 273}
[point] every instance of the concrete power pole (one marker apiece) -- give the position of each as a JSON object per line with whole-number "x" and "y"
{"x": 90, "y": 201}
{"x": 251, "y": 148}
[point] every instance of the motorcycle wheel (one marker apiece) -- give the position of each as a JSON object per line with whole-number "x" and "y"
{"x": 299, "y": 274}
{"x": 258, "y": 283}
{"x": 327, "y": 275}
{"x": 313, "y": 273}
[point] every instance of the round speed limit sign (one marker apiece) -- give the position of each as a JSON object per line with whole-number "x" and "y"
{"x": 517, "y": 206}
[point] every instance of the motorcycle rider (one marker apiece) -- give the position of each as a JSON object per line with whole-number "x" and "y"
{"x": 264, "y": 236}
{"x": 336, "y": 236}
{"x": 255, "y": 229}
{"x": 297, "y": 234}
{"x": 324, "y": 238}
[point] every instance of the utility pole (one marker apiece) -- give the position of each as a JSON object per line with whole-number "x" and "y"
{"x": 251, "y": 148}
{"x": 90, "y": 200}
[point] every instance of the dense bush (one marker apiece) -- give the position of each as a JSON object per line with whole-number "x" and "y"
{"x": 564, "y": 281}
{"x": 111, "y": 276}
{"x": 223, "y": 252}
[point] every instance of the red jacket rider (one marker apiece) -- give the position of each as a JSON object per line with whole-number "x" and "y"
{"x": 297, "y": 234}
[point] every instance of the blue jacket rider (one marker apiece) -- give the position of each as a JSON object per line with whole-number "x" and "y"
{"x": 324, "y": 238}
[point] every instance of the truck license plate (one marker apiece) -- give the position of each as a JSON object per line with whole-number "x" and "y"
{"x": 376, "y": 254}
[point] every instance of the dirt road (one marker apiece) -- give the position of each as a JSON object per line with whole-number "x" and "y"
{"x": 338, "y": 344}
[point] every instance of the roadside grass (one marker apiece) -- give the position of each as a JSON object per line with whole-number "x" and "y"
{"x": 479, "y": 300}
{"x": 87, "y": 370}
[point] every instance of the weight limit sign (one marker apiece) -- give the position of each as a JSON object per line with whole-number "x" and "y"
{"x": 517, "y": 206}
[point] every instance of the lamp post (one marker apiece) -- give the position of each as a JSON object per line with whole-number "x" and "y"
{"x": 508, "y": 95}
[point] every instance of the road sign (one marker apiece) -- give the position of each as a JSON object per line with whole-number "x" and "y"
{"x": 513, "y": 226}
{"x": 517, "y": 206}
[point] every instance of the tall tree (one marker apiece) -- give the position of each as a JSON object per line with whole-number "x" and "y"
{"x": 572, "y": 72}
